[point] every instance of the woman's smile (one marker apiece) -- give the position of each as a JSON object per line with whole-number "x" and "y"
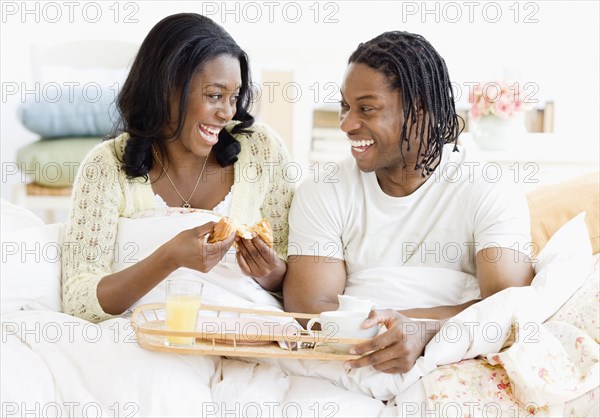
{"x": 209, "y": 133}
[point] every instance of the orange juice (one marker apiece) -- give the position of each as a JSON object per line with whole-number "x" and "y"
{"x": 182, "y": 314}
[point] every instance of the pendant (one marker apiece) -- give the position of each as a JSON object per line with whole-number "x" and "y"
{"x": 186, "y": 205}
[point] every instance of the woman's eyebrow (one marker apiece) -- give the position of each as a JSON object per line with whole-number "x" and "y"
{"x": 222, "y": 85}
{"x": 215, "y": 84}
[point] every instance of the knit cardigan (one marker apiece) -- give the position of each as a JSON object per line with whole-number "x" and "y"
{"x": 102, "y": 193}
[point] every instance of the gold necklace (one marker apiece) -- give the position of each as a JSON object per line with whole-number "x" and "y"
{"x": 186, "y": 203}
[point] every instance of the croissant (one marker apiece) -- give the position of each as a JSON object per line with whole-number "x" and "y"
{"x": 221, "y": 231}
{"x": 263, "y": 229}
{"x": 225, "y": 227}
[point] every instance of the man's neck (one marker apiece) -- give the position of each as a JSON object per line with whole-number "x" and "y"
{"x": 400, "y": 182}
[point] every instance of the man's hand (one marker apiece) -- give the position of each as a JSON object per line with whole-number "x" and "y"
{"x": 397, "y": 349}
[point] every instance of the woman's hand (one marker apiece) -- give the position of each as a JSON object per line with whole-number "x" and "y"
{"x": 397, "y": 349}
{"x": 258, "y": 260}
{"x": 190, "y": 249}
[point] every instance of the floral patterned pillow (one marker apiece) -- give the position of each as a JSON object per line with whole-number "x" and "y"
{"x": 582, "y": 310}
{"x": 550, "y": 372}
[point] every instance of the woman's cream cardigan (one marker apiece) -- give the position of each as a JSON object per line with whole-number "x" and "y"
{"x": 102, "y": 193}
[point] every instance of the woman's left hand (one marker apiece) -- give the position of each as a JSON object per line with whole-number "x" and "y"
{"x": 258, "y": 260}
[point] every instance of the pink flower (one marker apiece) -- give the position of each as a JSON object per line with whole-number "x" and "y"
{"x": 502, "y": 99}
{"x": 518, "y": 105}
{"x": 503, "y": 386}
{"x": 543, "y": 373}
{"x": 502, "y": 109}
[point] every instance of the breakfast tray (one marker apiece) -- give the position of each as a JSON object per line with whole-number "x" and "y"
{"x": 219, "y": 336}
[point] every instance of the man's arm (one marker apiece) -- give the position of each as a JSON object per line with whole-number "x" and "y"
{"x": 497, "y": 269}
{"x": 437, "y": 312}
{"x": 501, "y": 268}
{"x": 312, "y": 284}
{"x": 396, "y": 350}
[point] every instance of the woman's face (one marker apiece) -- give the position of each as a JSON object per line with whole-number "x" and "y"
{"x": 372, "y": 116}
{"x": 212, "y": 99}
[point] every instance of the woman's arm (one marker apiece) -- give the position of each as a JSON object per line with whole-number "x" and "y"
{"x": 91, "y": 233}
{"x": 279, "y": 193}
{"x": 268, "y": 266}
{"x": 90, "y": 289}
{"x": 118, "y": 291}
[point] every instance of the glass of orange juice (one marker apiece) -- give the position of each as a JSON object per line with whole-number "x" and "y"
{"x": 182, "y": 304}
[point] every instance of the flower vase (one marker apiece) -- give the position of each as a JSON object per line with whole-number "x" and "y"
{"x": 494, "y": 133}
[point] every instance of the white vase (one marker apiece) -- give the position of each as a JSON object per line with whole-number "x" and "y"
{"x": 494, "y": 133}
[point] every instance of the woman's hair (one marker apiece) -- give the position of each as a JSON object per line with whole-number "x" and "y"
{"x": 175, "y": 49}
{"x": 412, "y": 66}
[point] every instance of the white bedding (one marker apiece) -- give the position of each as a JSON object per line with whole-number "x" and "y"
{"x": 57, "y": 365}
{"x": 102, "y": 368}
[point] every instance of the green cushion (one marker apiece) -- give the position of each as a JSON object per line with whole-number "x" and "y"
{"x": 54, "y": 162}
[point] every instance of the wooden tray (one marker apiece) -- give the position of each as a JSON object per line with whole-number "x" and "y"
{"x": 151, "y": 333}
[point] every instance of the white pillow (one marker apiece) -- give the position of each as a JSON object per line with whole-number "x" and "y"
{"x": 561, "y": 269}
{"x": 31, "y": 268}
{"x": 565, "y": 260}
{"x": 570, "y": 243}
{"x": 14, "y": 217}
{"x": 138, "y": 238}
{"x": 225, "y": 284}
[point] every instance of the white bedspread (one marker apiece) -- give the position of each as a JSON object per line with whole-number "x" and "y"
{"x": 57, "y": 365}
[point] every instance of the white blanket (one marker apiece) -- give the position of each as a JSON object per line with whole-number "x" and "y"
{"x": 225, "y": 284}
{"x": 81, "y": 369}
{"x": 60, "y": 363}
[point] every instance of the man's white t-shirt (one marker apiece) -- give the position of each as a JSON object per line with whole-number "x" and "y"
{"x": 422, "y": 245}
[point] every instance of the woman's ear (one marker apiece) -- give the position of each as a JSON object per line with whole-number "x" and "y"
{"x": 174, "y": 104}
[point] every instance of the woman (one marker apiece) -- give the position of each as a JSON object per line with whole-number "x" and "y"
{"x": 187, "y": 141}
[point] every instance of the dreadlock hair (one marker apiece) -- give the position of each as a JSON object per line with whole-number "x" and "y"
{"x": 411, "y": 65}
{"x": 174, "y": 50}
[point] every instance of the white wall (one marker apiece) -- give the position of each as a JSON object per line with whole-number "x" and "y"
{"x": 554, "y": 44}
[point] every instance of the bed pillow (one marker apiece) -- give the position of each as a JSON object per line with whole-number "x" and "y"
{"x": 81, "y": 111}
{"x": 14, "y": 217}
{"x": 566, "y": 258}
{"x": 552, "y": 206}
{"x": 31, "y": 267}
{"x": 225, "y": 284}
{"x": 54, "y": 162}
{"x": 568, "y": 245}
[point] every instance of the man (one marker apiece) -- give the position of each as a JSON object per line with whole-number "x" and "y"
{"x": 409, "y": 221}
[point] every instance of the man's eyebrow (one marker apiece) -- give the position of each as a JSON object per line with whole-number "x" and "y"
{"x": 363, "y": 97}
{"x": 368, "y": 96}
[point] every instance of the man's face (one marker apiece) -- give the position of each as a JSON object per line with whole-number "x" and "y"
{"x": 371, "y": 115}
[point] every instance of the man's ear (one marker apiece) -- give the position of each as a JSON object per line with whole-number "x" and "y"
{"x": 422, "y": 114}
{"x": 420, "y": 108}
